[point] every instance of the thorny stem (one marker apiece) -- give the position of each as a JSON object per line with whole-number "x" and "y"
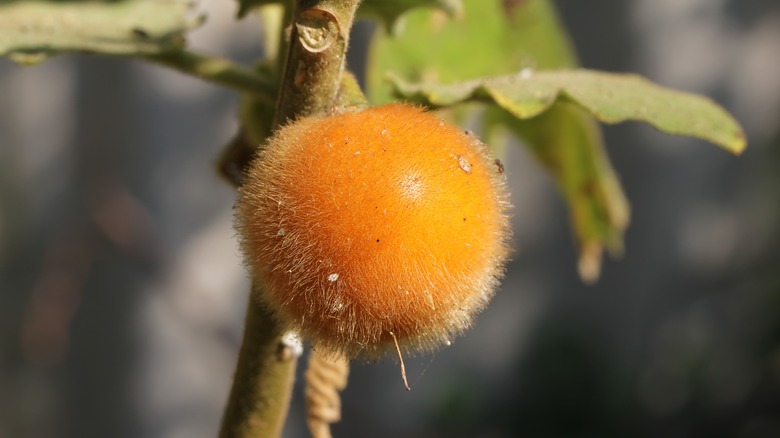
{"x": 314, "y": 63}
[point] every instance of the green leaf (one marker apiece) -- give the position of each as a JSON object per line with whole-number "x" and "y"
{"x": 568, "y": 143}
{"x": 611, "y": 98}
{"x": 489, "y": 39}
{"x": 31, "y": 31}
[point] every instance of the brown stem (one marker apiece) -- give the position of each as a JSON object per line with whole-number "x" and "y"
{"x": 263, "y": 381}
{"x": 262, "y": 387}
{"x": 315, "y": 60}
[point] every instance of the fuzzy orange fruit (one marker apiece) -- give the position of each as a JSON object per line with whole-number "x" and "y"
{"x": 375, "y": 225}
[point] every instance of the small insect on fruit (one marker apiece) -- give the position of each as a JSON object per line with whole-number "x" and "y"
{"x": 372, "y": 227}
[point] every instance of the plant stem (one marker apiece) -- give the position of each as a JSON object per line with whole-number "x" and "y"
{"x": 218, "y": 70}
{"x": 264, "y": 376}
{"x": 314, "y": 62}
{"x": 315, "y": 58}
{"x": 283, "y": 36}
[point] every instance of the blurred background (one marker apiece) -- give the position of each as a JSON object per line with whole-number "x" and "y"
{"x": 122, "y": 293}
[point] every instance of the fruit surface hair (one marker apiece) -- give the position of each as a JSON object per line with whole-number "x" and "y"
{"x": 375, "y": 225}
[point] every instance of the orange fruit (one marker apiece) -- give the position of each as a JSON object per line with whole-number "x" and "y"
{"x": 369, "y": 226}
